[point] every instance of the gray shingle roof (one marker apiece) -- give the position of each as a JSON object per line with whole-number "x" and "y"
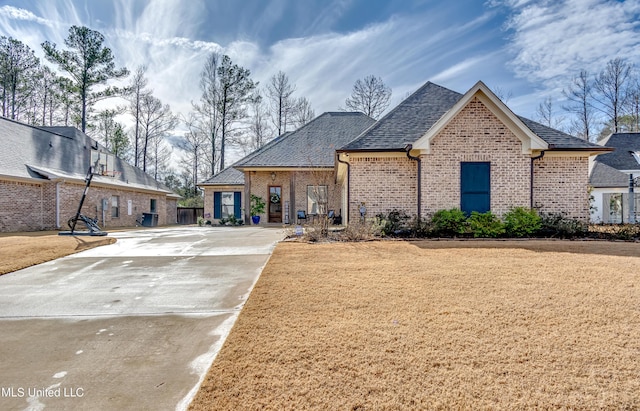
{"x": 414, "y": 116}
{"x": 312, "y": 145}
{"x": 621, "y": 158}
{"x": 64, "y": 152}
{"x": 408, "y": 121}
{"x": 556, "y": 138}
{"x": 228, "y": 177}
{"x": 603, "y": 175}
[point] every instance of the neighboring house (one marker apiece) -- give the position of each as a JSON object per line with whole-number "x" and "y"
{"x": 42, "y": 178}
{"x": 439, "y": 149}
{"x": 609, "y": 179}
{"x": 294, "y": 172}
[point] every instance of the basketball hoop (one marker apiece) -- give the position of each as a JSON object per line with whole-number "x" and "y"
{"x": 112, "y": 174}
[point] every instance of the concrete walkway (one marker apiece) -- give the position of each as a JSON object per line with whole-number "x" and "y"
{"x": 130, "y": 326}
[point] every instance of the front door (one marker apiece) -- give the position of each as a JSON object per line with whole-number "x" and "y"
{"x": 275, "y": 204}
{"x": 475, "y": 187}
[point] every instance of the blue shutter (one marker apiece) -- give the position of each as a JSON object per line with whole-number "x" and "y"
{"x": 217, "y": 205}
{"x": 475, "y": 187}
{"x": 236, "y": 204}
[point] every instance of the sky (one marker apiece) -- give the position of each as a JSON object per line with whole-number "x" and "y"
{"x": 527, "y": 49}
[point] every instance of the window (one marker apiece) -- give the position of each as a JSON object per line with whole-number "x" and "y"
{"x": 317, "y": 200}
{"x": 115, "y": 206}
{"x": 152, "y": 206}
{"x": 616, "y": 209}
{"x": 227, "y": 204}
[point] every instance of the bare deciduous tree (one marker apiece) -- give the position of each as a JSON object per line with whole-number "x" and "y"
{"x": 279, "y": 92}
{"x": 136, "y": 92}
{"x": 194, "y": 144}
{"x": 579, "y": 103}
{"x": 303, "y": 112}
{"x": 156, "y": 120}
{"x": 370, "y": 96}
{"x": 610, "y": 89}
{"x": 546, "y": 114}
{"x": 259, "y": 130}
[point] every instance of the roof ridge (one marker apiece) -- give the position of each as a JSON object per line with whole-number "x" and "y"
{"x": 37, "y": 127}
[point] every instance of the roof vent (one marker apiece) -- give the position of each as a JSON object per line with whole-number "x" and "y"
{"x": 636, "y": 155}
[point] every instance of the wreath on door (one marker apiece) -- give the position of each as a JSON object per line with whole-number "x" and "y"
{"x": 275, "y": 198}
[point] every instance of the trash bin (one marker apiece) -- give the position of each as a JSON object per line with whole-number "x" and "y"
{"x": 149, "y": 219}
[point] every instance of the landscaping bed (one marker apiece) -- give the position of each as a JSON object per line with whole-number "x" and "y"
{"x": 436, "y": 325}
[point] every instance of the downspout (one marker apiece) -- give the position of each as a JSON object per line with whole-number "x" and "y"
{"x": 531, "y": 176}
{"x": 632, "y": 211}
{"x": 408, "y": 148}
{"x": 57, "y": 204}
{"x": 346, "y": 220}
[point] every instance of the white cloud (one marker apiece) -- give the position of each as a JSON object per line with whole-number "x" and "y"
{"x": 554, "y": 40}
{"x": 22, "y": 14}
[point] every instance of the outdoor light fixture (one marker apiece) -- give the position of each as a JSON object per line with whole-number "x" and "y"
{"x": 273, "y": 176}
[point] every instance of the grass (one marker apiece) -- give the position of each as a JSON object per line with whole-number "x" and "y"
{"x": 18, "y": 251}
{"x": 436, "y": 325}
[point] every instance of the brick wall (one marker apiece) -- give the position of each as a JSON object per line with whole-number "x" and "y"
{"x": 208, "y": 198}
{"x": 475, "y": 134}
{"x": 560, "y": 184}
{"x": 383, "y": 184}
{"x": 31, "y": 207}
{"x": 261, "y": 180}
{"x": 24, "y": 206}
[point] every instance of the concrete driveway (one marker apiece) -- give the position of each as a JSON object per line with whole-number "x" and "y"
{"x": 134, "y": 325}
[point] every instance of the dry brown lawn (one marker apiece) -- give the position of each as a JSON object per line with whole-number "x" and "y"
{"x": 436, "y": 325}
{"x": 19, "y": 251}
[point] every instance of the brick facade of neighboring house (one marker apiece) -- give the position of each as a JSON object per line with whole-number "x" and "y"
{"x": 445, "y": 133}
{"x": 42, "y": 173}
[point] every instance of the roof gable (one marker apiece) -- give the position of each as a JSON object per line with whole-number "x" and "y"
{"x": 408, "y": 121}
{"x": 420, "y": 116}
{"x": 623, "y": 158}
{"x": 530, "y": 141}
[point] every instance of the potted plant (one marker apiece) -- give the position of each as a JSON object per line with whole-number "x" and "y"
{"x": 257, "y": 208}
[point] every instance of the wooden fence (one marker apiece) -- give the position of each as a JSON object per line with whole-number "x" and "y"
{"x": 189, "y": 215}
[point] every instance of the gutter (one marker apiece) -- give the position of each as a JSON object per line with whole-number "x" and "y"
{"x": 408, "y": 148}
{"x": 531, "y": 176}
{"x": 348, "y": 185}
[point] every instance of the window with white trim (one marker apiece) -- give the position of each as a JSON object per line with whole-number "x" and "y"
{"x": 317, "y": 199}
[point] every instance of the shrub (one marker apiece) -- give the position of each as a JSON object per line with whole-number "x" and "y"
{"x": 485, "y": 224}
{"x": 357, "y": 231}
{"x": 449, "y": 223}
{"x": 393, "y": 224}
{"x": 420, "y": 227}
{"x": 521, "y": 222}
{"x": 201, "y": 221}
{"x": 559, "y": 225}
{"x": 231, "y": 220}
